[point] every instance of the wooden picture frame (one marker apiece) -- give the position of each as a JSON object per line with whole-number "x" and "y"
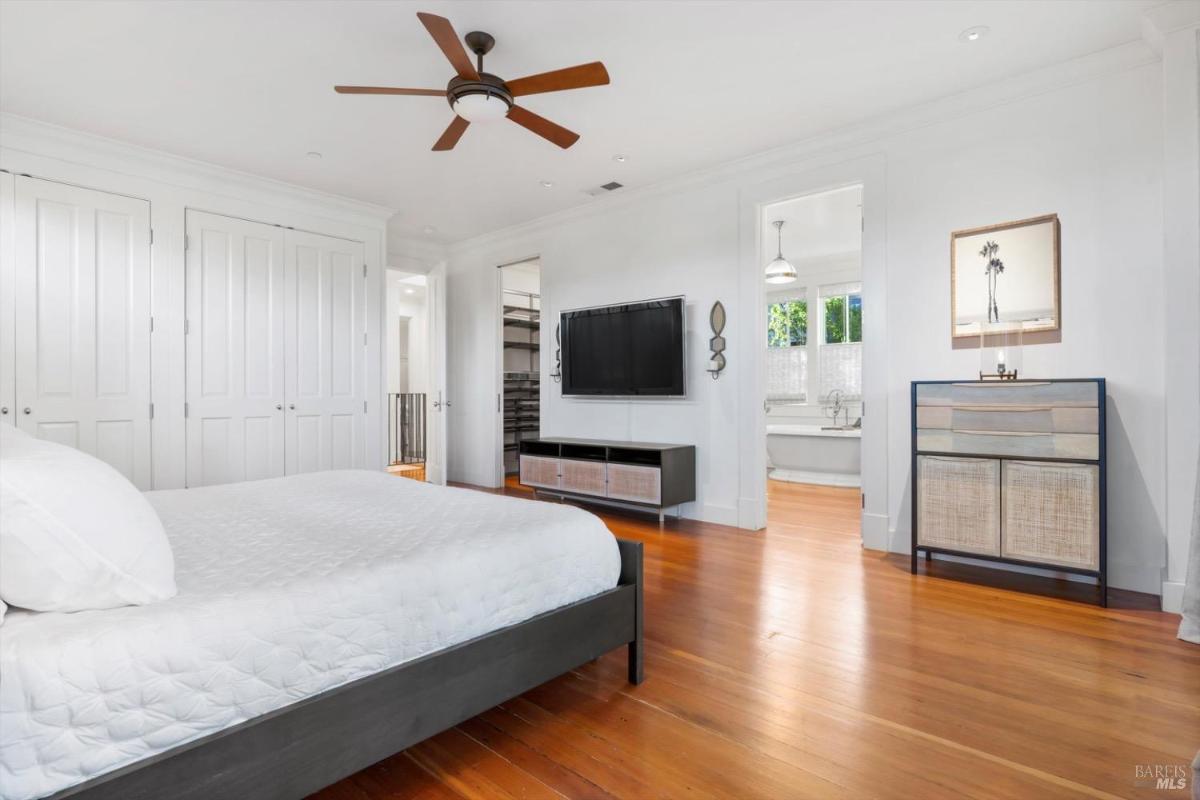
{"x": 1033, "y": 251}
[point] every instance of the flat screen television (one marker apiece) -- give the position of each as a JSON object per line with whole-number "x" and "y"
{"x": 631, "y": 349}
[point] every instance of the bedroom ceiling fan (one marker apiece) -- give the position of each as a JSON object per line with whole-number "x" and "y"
{"x": 478, "y": 96}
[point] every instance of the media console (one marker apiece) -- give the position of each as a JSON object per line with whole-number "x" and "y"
{"x": 641, "y": 474}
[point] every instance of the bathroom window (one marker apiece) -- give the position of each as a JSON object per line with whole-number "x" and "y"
{"x": 787, "y": 353}
{"x": 840, "y": 358}
{"x": 843, "y": 318}
{"x": 787, "y": 323}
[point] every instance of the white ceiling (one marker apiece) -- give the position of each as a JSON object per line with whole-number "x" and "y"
{"x": 817, "y": 226}
{"x": 248, "y": 85}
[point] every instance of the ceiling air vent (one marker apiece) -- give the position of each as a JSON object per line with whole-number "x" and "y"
{"x": 611, "y": 186}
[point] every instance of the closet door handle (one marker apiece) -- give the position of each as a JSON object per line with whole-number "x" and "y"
{"x": 4, "y": 410}
{"x": 291, "y": 406}
{"x": 27, "y": 410}
{"x": 279, "y": 406}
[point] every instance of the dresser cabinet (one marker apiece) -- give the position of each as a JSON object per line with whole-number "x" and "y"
{"x": 1011, "y": 471}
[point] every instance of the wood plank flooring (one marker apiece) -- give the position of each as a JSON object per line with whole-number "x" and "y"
{"x": 791, "y": 663}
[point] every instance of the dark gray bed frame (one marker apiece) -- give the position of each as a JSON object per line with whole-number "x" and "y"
{"x": 301, "y": 748}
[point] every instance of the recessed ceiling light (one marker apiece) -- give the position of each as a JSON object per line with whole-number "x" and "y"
{"x": 410, "y": 291}
{"x": 429, "y": 229}
{"x": 974, "y": 34}
{"x": 620, "y": 159}
{"x": 547, "y": 184}
{"x": 314, "y": 155}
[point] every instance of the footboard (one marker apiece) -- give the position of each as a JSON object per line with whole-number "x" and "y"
{"x": 294, "y": 751}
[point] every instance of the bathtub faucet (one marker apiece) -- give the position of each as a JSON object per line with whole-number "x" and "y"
{"x": 833, "y": 401}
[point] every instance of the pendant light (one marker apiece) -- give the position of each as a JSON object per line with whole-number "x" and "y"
{"x": 780, "y": 270}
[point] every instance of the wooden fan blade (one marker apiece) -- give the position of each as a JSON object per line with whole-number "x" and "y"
{"x": 388, "y": 90}
{"x": 593, "y": 74}
{"x": 443, "y": 34}
{"x": 543, "y": 127}
{"x": 458, "y": 126}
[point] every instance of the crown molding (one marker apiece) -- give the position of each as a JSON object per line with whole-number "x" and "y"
{"x": 1093, "y": 66}
{"x": 420, "y": 249}
{"x": 1160, "y": 21}
{"x": 34, "y": 137}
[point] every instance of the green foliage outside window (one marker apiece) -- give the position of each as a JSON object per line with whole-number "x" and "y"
{"x": 787, "y": 324}
{"x": 843, "y": 319}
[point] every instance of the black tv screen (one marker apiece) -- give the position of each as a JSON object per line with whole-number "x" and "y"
{"x": 629, "y": 349}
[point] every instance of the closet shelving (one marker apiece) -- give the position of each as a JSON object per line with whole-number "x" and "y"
{"x": 521, "y": 329}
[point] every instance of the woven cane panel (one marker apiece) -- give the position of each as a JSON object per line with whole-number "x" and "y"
{"x": 1052, "y": 513}
{"x": 958, "y": 504}
{"x": 539, "y": 471}
{"x": 639, "y": 484}
{"x": 586, "y": 477}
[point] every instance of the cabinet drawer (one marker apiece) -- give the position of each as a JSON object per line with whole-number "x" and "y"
{"x": 1052, "y": 394}
{"x": 585, "y": 477}
{"x": 1016, "y": 444}
{"x": 635, "y": 483}
{"x": 1052, "y": 513}
{"x": 958, "y": 504}
{"x": 1026, "y": 419}
{"x": 539, "y": 471}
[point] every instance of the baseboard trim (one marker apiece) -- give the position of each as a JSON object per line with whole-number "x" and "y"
{"x": 1172, "y": 596}
{"x": 874, "y": 531}
{"x": 751, "y": 514}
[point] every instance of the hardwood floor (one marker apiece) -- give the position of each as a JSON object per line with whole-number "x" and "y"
{"x": 791, "y": 663}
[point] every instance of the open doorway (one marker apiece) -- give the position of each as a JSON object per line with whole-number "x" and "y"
{"x": 814, "y": 356}
{"x": 520, "y": 321}
{"x": 408, "y": 379}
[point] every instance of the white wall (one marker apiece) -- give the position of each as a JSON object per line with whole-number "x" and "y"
{"x": 1173, "y": 29}
{"x": 1083, "y": 140}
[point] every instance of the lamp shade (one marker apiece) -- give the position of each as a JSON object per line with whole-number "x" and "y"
{"x": 480, "y": 107}
{"x": 780, "y": 271}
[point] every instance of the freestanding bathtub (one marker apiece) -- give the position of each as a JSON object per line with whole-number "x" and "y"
{"x": 808, "y": 454}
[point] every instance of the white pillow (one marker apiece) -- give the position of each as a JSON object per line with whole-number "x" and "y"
{"x": 74, "y": 533}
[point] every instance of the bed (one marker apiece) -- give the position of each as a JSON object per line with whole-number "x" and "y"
{"x": 323, "y": 622}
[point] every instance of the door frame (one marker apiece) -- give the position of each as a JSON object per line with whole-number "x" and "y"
{"x": 870, "y": 173}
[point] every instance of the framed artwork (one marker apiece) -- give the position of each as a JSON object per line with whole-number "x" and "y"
{"x": 1005, "y": 278}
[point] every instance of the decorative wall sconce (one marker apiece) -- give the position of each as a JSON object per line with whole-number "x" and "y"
{"x": 716, "y": 319}
{"x": 557, "y": 374}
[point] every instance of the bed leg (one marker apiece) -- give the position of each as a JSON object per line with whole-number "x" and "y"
{"x": 632, "y": 574}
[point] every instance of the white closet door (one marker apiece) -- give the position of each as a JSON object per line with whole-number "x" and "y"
{"x": 82, "y": 296}
{"x": 235, "y": 370}
{"x": 325, "y": 347}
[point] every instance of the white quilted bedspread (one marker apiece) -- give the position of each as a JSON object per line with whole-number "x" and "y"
{"x": 287, "y": 587}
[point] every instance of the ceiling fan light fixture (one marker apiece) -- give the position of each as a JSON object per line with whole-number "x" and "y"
{"x": 481, "y": 107}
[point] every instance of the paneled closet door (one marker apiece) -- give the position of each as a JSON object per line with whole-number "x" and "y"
{"x": 235, "y": 368}
{"x": 82, "y": 319}
{"x": 325, "y": 350}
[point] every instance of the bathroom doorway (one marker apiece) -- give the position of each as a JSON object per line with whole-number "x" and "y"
{"x": 813, "y": 339}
